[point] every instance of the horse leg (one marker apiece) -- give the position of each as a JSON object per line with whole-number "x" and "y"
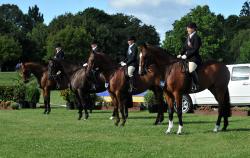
{"x": 169, "y": 100}
{"x": 45, "y": 102}
{"x": 158, "y": 97}
{"x": 115, "y": 104}
{"x": 79, "y": 105}
{"x": 121, "y": 103}
{"x": 224, "y": 107}
{"x": 122, "y": 110}
{"x": 227, "y": 109}
{"x": 178, "y": 99}
{"x": 85, "y": 106}
{"x": 49, "y": 108}
{"x": 82, "y": 101}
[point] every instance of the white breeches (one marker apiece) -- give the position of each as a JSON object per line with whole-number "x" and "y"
{"x": 191, "y": 66}
{"x": 131, "y": 70}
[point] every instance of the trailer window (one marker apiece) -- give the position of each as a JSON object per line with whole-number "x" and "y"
{"x": 240, "y": 73}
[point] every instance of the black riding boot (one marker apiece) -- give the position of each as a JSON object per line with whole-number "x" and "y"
{"x": 195, "y": 80}
{"x": 131, "y": 85}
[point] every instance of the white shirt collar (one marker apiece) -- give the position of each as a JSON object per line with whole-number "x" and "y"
{"x": 191, "y": 35}
{"x": 94, "y": 48}
{"x": 131, "y": 45}
{"x": 58, "y": 50}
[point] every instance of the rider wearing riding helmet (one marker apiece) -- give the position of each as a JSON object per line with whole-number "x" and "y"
{"x": 132, "y": 62}
{"x": 191, "y": 52}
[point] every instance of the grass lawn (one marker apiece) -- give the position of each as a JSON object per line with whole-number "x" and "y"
{"x": 55, "y": 98}
{"x": 8, "y": 78}
{"x": 30, "y": 134}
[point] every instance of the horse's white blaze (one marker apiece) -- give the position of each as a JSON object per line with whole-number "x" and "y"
{"x": 216, "y": 128}
{"x": 170, "y": 126}
{"x": 140, "y": 69}
{"x": 179, "y": 129}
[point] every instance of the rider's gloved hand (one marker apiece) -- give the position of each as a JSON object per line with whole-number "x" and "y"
{"x": 122, "y": 63}
{"x": 86, "y": 64}
{"x": 179, "y": 56}
{"x": 184, "y": 57}
{"x": 58, "y": 72}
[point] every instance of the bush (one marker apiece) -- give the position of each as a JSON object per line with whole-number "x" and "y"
{"x": 149, "y": 98}
{"x": 151, "y": 103}
{"x": 19, "y": 93}
{"x": 32, "y": 94}
{"x": 70, "y": 98}
{"x": 6, "y": 93}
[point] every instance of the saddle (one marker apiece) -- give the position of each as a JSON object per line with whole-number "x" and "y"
{"x": 192, "y": 75}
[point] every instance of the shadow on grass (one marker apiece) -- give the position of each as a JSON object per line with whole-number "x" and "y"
{"x": 239, "y": 130}
{"x": 204, "y": 122}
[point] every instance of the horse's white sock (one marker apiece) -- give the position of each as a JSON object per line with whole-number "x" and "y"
{"x": 179, "y": 129}
{"x": 170, "y": 126}
{"x": 216, "y": 128}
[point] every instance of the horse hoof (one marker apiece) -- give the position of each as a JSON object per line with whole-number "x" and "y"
{"x": 178, "y": 133}
{"x": 224, "y": 129}
{"x": 116, "y": 124}
{"x": 167, "y": 132}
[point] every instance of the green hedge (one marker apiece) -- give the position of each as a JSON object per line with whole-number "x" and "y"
{"x": 20, "y": 93}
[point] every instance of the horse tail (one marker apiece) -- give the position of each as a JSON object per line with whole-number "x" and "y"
{"x": 226, "y": 105}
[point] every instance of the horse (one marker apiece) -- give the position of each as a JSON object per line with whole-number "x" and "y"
{"x": 213, "y": 76}
{"x": 74, "y": 75}
{"x": 41, "y": 73}
{"x": 118, "y": 85}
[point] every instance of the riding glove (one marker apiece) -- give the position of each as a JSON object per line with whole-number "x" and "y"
{"x": 184, "y": 57}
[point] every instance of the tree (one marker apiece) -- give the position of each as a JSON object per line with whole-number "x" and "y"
{"x": 11, "y": 13}
{"x": 245, "y": 11}
{"x": 75, "y": 43}
{"x": 111, "y": 31}
{"x": 209, "y": 29}
{"x": 38, "y": 36}
{"x": 244, "y": 52}
{"x": 239, "y": 44}
{"x": 10, "y": 50}
{"x": 35, "y": 15}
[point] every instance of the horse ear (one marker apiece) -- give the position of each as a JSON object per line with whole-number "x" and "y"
{"x": 142, "y": 45}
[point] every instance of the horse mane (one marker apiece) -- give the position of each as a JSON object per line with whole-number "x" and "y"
{"x": 42, "y": 66}
{"x": 163, "y": 56}
{"x": 107, "y": 58}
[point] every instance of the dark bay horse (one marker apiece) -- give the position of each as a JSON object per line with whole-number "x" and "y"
{"x": 213, "y": 76}
{"x": 118, "y": 86}
{"x": 74, "y": 75}
{"x": 41, "y": 73}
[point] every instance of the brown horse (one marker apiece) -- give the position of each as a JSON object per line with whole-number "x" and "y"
{"x": 118, "y": 86}
{"x": 74, "y": 75}
{"x": 41, "y": 73}
{"x": 213, "y": 76}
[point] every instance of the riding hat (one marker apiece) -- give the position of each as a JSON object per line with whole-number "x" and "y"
{"x": 192, "y": 25}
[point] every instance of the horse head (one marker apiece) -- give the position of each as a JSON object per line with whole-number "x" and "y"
{"x": 25, "y": 72}
{"x": 144, "y": 55}
{"x": 96, "y": 60}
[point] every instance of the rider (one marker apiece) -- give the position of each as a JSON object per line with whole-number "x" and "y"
{"x": 95, "y": 49}
{"x": 59, "y": 55}
{"x": 132, "y": 54}
{"x": 191, "y": 52}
